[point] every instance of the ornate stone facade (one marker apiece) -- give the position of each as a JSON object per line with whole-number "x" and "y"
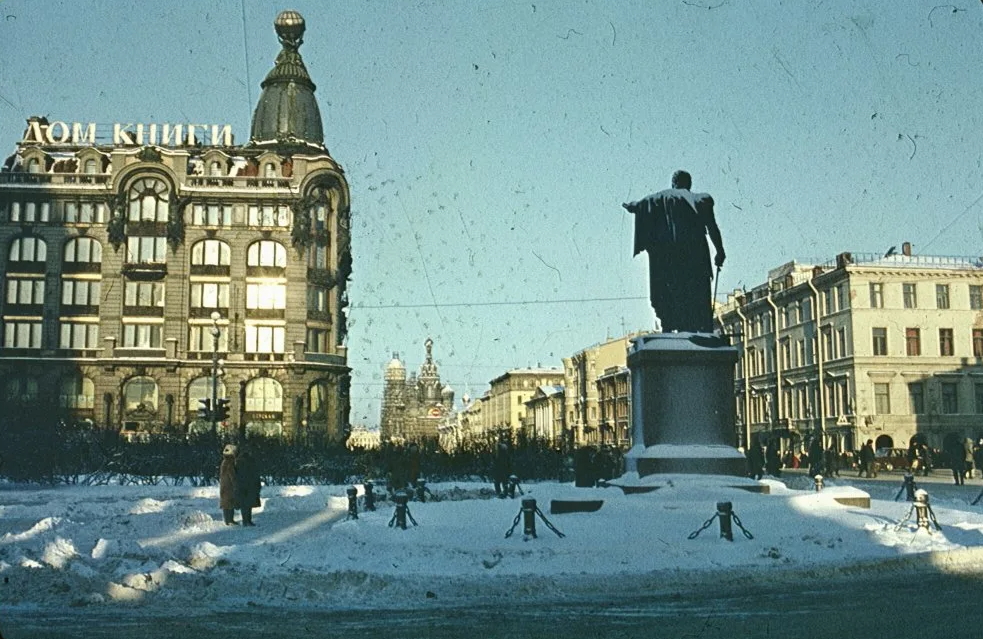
{"x": 129, "y": 264}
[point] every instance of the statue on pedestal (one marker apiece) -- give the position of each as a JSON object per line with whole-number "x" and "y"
{"x": 672, "y": 225}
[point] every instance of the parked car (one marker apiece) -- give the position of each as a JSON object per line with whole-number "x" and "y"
{"x": 892, "y": 458}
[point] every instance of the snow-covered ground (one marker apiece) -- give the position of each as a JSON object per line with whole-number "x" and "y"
{"x": 159, "y": 547}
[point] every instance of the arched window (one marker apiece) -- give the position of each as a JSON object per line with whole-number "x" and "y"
{"x": 83, "y": 249}
{"x": 269, "y": 170}
{"x": 33, "y": 166}
{"x": 215, "y": 169}
{"x": 20, "y": 390}
{"x": 89, "y": 167}
{"x": 211, "y": 253}
{"x": 140, "y": 394}
{"x": 266, "y": 253}
{"x": 28, "y": 249}
{"x": 78, "y": 392}
{"x": 148, "y": 200}
{"x": 264, "y": 395}
{"x": 201, "y": 388}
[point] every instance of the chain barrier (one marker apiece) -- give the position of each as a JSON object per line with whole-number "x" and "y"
{"x": 737, "y": 520}
{"x": 530, "y": 509}
{"x": 733, "y": 515}
{"x": 706, "y": 524}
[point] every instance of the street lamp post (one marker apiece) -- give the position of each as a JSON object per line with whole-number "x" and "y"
{"x": 216, "y": 332}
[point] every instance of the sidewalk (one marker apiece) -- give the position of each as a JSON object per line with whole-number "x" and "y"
{"x": 936, "y": 476}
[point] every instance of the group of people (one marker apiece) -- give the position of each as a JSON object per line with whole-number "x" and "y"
{"x": 238, "y": 485}
{"x": 769, "y": 460}
{"x": 963, "y": 458}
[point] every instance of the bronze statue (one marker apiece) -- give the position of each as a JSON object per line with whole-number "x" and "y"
{"x": 672, "y": 226}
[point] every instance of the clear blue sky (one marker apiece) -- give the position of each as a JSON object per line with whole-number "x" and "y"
{"x": 489, "y": 145}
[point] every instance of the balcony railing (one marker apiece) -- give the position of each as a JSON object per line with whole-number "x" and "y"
{"x": 54, "y": 178}
{"x": 238, "y": 182}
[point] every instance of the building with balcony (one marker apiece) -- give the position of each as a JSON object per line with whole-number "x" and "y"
{"x": 596, "y": 399}
{"x": 119, "y": 251}
{"x": 861, "y": 347}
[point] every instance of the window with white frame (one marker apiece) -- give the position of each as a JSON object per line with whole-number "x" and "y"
{"x": 211, "y": 253}
{"x": 266, "y": 253}
{"x": 264, "y": 339}
{"x": 209, "y": 295}
{"x": 84, "y": 212}
{"x": 22, "y": 334}
{"x": 211, "y": 214}
{"x": 143, "y": 294}
{"x": 83, "y": 249}
{"x": 30, "y": 211}
{"x": 25, "y": 291}
{"x": 200, "y": 338}
{"x": 146, "y": 250}
{"x": 268, "y": 215}
{"x": 80, "y": 292}
{"x": 79, "y": 335}
{"x": 266, "y": 296}
{"x": 143, "y": 335}
{"x": 148, "y": 200}
{"x": 28, "y": 249}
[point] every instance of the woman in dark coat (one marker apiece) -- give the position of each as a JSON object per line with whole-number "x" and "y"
{"x": 247, "y": 486}
{"x": 227, "y": 484}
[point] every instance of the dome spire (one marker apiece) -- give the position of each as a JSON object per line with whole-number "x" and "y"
{"x": 287, "y": 112}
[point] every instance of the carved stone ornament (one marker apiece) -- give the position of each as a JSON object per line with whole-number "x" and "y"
{"x": 148, "y": 154}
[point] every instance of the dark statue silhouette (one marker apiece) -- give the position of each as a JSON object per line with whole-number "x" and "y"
{"x": 672, "y": 225}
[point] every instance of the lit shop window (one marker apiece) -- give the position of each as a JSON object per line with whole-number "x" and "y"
{"x": 77, "y": 392}
{"x": 264, "y": 395}
{"x": 140, "y": 393}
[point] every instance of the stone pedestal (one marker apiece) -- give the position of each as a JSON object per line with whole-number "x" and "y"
{"x": 682, "y": 393}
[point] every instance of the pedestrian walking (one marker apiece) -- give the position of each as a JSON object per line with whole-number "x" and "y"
{"x": 868, "y": 460}
{"x": 227, "y": 484}
{"x": 832, "y": 462}
{"x": 968, "y": 458}
{"x": 756, "y": 459}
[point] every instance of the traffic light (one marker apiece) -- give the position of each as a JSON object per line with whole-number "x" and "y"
{"x": 205, "y": 410}
{"x": 221, "y": 409}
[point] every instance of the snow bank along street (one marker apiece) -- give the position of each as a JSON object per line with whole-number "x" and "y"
{"x": 154, "y": 548}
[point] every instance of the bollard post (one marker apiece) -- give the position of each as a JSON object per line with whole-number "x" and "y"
{"x": 352, "y": 502}
{"x": 421, "y": 490}
{"x": 513, "y": 484}
{"x": 401, "y": 497}
{"x": 369, "y": 496}
{"x": 529, "y": 517}
{"x": 724, "y": 511}
{"x": 818, "y": 481}
{"x": 921, "y": 508}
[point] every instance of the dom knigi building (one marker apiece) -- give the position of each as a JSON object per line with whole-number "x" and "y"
{"x": 151, "y": 266}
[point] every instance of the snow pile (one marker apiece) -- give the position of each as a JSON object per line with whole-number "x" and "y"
{"x": 157, "y": 546}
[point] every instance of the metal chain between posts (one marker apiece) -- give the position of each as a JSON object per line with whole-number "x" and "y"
{"x": 548, "y": 524}
{"x": 706, "y": 524}
{"x": 737, "y": 520}
{"x": 515, "y": 522}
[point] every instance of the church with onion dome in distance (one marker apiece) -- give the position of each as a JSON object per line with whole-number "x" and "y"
{"x": 415, "y": 407}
